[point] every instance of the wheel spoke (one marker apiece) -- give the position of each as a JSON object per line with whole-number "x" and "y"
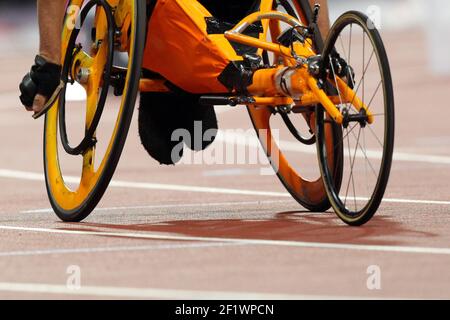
{"x": 342, "y": 45}
{"x": 352, "y": 164}
{"x": 352, "y": 161}
{"x": 373, "y": 96}
{"x": 364, "y": 151}
{"x": 350, "y": 44}
{"x": 362, "y": 77}
{"x": 343, "y": 138}
{"x": 376, "y": 137}
{"x": 348, "y": 183}
{"x": 363, "y": 64}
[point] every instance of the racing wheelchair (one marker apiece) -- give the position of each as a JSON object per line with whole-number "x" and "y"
{"x": 267, "y": 56}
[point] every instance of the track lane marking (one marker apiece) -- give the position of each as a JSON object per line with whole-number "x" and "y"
{"x": 33, "y": 176}
{"x": 239, "y": 203}
{"x": 159, "y": 293}
{"x": 258, "y": 242}
{"x": 169, "y": 206}
{"x": 252, "y": 141}
{"x": 114, "y": 249}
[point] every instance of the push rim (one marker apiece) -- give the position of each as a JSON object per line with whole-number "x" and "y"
{"x": 105, "y": 63}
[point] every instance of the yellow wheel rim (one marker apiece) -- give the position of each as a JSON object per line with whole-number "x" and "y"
{"x": 63, "y": 196}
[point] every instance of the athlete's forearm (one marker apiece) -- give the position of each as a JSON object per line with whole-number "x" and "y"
{"x": 50, "y": 16}
{"x": 324, "y": 19}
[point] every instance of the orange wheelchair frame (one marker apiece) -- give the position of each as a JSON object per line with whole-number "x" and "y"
{"x": 264, "y": 89}
{"x": 262, "y": 95}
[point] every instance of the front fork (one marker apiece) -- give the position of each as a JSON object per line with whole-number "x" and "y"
{"x": 306, "y": 90}
{"x": 303, "y": 79}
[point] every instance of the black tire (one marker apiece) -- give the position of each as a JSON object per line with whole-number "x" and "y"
{"x": 374, "y": 197}
{"x": 123, "y": 123}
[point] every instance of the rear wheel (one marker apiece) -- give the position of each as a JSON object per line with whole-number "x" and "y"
{"x": 355, "y": 47}
{"x": 111, "y": 58}
{"x": 310, "y": 193}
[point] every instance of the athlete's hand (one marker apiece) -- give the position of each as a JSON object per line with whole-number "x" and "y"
{"x": 41, "y": 84}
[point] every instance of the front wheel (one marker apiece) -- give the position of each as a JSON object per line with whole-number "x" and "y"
{"x": 354, "y": 52}
{"x": 102, "y": 48}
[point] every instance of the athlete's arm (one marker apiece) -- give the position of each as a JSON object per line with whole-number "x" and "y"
{"x": 42, "y": 81}
{"x": 50, "y": 16}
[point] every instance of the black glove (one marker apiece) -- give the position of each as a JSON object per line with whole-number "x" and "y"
{"x": 43, "y": 79}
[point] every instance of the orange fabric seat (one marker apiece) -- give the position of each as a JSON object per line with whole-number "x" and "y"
{"x": 180, "y": 49}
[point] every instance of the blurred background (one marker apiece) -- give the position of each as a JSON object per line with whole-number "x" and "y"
{"x": 416, "y": 34}
{"x": 427, "y": 19}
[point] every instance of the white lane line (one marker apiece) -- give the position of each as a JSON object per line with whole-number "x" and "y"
{"x": 410, "y": 201}
{"x": 239, "y": 203}
{"x": 170, "y": 206}
{"x": 259, "y": 242}
{"x": 222, "y": 109}
{"x": 157, "y": 293}
{"x": 177, "y": 187}
{"x": 230, "y": 137}
{"x": 230, "y": 172}
{"x": 24, "y": 175}
{"x": 113, "y": 249}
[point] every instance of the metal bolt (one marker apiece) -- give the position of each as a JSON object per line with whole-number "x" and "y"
{"x": 83, "y": 75}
